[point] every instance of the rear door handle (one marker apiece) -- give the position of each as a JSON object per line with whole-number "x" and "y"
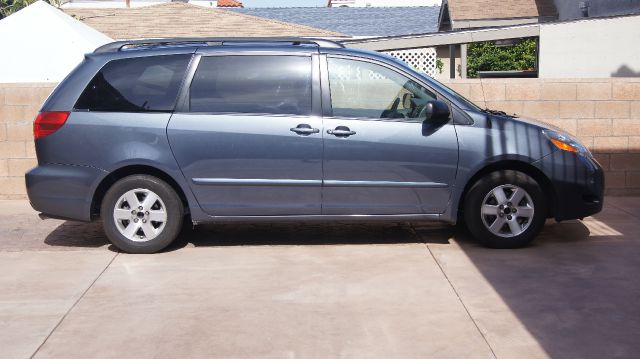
{"x": 341, "y": 131}
{"x": 304, "y": 129}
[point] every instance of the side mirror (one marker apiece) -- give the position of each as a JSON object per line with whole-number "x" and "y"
{"x": 437, "y": 111}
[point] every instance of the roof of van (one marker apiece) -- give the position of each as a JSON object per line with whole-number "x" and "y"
{"x": 190, "y": 42}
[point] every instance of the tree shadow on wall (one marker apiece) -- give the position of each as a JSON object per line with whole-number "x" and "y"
{"x": 625, "y": 71}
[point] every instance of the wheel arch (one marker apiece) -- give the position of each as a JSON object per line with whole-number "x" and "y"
{"x": 129, "y": 170}
{"x": 515, "y": 165}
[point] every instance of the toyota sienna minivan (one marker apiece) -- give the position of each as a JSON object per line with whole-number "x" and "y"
{"x": 147, "y": 134}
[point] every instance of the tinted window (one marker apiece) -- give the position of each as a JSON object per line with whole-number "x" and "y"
{"x": 137, "y": 84}
{"x": 253, "y": 84}
{"x": 362, "y": 89}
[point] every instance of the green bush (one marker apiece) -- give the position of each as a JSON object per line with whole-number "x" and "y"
{"x": 8, "y": 7}
{"x": 486, "y": 56}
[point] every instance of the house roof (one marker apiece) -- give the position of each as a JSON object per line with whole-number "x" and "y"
{"x": 229, "y": 3}
{"x": 177, "y": 19}
{"x": 357, "y": 21}
{"x": 443, "y": 38}
{"x": 499, "y": 9}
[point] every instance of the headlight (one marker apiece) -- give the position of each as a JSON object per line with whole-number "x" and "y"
{"x": 566, "y": 142}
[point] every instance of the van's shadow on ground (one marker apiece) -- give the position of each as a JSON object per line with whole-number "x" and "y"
{"x": 572, "y": 290}
{"x": 90, "y": 235}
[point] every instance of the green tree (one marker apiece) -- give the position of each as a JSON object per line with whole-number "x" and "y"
{"x": 8, "y": 7}
{"x": 486, "y": 56}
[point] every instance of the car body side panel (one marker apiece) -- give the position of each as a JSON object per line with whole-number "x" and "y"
{"x": 388, "y": 167}
{"x": 110, "y": 141}
{"x": 63, "y": 191}
{"x": 249, "y": 165}
{"x": 493, "y": 139}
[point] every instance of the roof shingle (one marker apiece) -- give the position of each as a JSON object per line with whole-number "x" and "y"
{"x": 357, "y": 21}
{"x": 177, "y": 19}
{"x": 499, "y": 9}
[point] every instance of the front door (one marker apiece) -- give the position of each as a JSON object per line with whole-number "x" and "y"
{"x": 249, "y": 143}
{"x": 380, "y": 156}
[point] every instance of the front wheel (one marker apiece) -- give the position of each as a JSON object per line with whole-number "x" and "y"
{"x": 141, "y": 214}
{"x": 505, "y": 209}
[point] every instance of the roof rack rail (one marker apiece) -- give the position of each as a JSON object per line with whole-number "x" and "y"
{"x": 212, "y": 41}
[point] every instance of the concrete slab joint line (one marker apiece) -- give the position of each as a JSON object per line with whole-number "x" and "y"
{"x": 493, "y": 354}
{"x": 73, "y": 306}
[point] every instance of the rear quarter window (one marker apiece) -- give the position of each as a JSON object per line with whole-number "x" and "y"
{"x": 142, "y": 84}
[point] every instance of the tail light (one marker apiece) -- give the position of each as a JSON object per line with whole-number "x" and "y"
{"x": 48, "y": 122}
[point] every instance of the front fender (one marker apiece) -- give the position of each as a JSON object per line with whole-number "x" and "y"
{"x": 489, "y": 142}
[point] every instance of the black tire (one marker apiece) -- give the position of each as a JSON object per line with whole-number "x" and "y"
{"x": 480, "y": 191}
{"x": 169, "y": 201}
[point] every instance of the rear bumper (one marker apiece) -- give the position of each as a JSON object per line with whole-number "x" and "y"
{"x": 578, "y": 183}
{"x": 63, "y": 191}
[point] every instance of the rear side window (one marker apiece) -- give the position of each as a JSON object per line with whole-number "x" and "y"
{"x": 135, "y": 85}
{"x": 252, "y": 84}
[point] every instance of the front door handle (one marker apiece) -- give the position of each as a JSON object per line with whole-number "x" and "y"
{"x": 341, "y": 131}
{"x": 304, "y": 129}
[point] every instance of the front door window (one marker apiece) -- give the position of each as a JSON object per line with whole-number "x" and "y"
{"x": 364, "y": 90}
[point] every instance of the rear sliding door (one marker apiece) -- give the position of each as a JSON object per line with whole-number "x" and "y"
{"x": 248, "y": 142}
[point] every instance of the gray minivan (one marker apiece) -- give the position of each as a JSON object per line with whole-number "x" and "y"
{"x": 144, "y": 134}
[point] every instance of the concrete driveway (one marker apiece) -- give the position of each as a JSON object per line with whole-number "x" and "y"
{"x": 321, "y": 291}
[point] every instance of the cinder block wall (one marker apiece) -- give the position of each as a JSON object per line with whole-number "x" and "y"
{"x": 604, "y": 113}
{"x": 19, "y": 105}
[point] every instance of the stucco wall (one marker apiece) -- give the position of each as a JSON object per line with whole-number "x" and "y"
{"x": 569, "y": 9}
{"x": 604, "y": 113}
{"x": 443, "y": 54}
{"x": 591, "y": 48}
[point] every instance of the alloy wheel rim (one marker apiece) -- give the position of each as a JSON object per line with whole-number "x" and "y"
{"x": 140, "y": 215}
{"x": 507, "y": 211}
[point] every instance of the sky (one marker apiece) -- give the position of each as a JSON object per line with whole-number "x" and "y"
{"x": 283, "y": 3}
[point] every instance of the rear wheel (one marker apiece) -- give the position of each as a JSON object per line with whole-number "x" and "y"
{"x": 141, "y": 214}
{"x": 505, "y": 209}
